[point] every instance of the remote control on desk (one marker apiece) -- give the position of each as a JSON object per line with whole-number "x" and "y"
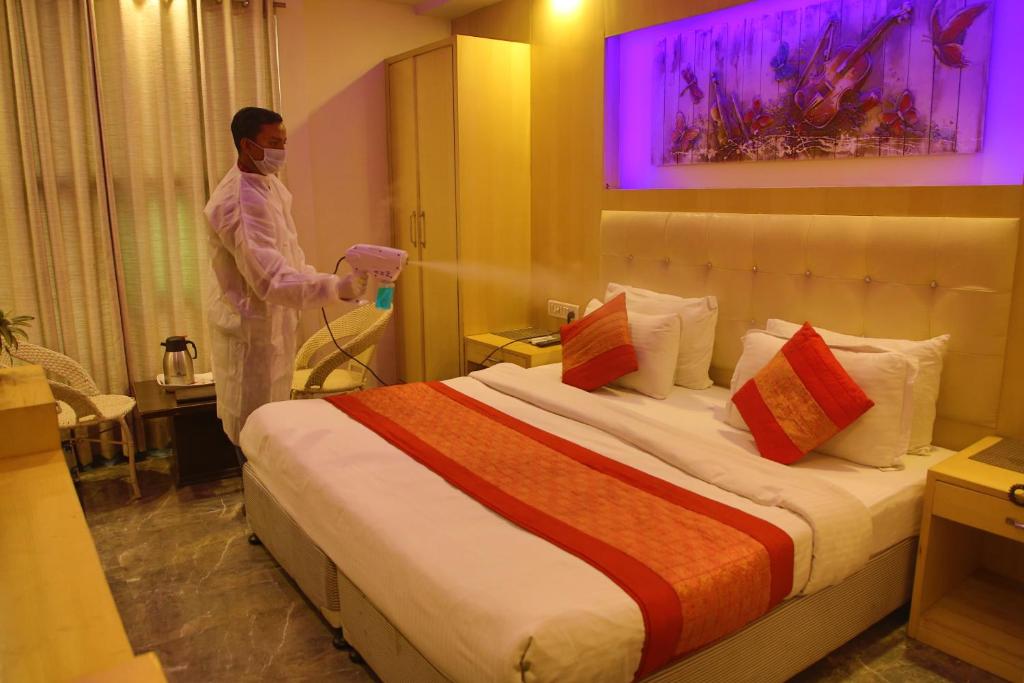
{"x": 549, "y": 340}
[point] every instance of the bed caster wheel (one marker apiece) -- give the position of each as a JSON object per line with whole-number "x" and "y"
{"x": 356, "y": 658}
{"x": 254, "y": 540}
{"x": 339, "y": 641}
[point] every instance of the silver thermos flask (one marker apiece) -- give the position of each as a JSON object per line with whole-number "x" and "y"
{"x": 178, "y": 367}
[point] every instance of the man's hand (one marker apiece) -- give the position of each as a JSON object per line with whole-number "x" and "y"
{"x": 352, "y": 286}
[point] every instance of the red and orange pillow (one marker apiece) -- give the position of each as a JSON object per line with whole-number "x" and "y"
{"x": 800, "y": 399}
{"x": 598, "y": 349}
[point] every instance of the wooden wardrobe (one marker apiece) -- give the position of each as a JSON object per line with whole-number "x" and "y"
{"x": 459, "y": 147}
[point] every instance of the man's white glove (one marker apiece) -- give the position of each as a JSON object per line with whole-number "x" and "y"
{"x": 352, "y": 286}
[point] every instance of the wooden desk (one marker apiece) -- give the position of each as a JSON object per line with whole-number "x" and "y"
{"x": 479, "y": 346}
{"x": 201, "y": 449}
{"x": 58, "y": 620}
{"x": 969, "y": 582}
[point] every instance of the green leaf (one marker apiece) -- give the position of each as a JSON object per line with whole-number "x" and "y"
{"x": 21, "y": 319}
{"x": 18, "y": 332}
{"x": 8, "y": 338}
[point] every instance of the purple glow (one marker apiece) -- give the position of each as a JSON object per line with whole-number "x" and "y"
{"x": 628, "y": 121}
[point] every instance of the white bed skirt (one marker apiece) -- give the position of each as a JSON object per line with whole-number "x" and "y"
{"x": 777, "y": 646}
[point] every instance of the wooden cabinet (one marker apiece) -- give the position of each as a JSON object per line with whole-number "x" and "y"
{"x": 969, "y": 582}
{"x": 459, "y": 147}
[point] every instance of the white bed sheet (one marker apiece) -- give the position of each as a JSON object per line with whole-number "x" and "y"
{"x": 894, "y": 498}
{"x": 475, "y": 594}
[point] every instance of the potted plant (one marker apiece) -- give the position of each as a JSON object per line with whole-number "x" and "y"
{"x": 11, "y": 328}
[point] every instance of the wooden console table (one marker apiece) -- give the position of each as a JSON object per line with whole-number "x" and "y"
{"x": 58, "y": 620}
{"x": 201, "y": 449}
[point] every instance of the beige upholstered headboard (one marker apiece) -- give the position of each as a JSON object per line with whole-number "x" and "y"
{"x": 878, "y": 276}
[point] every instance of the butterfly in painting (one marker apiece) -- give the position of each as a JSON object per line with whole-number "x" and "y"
{"x": 683, "y": 137}
{"x": 780, "y": 63}
{"x": 948, "y": 39}
{"x": 902, "y": 118}
{"x": 756, "y": 119}
{"x": 691, "y": 84}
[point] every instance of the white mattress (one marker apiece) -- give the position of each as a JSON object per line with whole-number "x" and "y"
{"x": 479, "y": 597}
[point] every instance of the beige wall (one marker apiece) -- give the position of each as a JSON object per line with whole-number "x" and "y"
{"x": 333, "y": 102}
{"x": 507, "y": 20}
{"x": 568, "y": 172}
{"x": 569, "y": 142}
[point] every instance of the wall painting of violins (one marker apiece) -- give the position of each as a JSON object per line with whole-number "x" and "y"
{"x": 834, "y": 79}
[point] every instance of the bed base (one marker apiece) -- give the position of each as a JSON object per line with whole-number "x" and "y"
{"x": 777, "y": 646}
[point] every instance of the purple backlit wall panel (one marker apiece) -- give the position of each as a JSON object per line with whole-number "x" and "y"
{"x": 784, "y": 79}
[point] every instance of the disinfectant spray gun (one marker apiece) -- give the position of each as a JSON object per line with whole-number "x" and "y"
{"x": 383, "y": 263}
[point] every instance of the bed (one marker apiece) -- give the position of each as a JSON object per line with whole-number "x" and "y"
{"x": 429, "y": 585}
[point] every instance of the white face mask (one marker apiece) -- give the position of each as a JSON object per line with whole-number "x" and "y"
{"x": 272, "y": 161}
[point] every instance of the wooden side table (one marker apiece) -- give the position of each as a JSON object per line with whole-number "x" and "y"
{"x": 201, "y": 449}
{"x": 969, "y": 583}
{"x": 479, "y": 346}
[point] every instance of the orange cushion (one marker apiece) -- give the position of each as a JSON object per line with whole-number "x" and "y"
{"x": 597, "y": 349}
{"x": 800, "y": 399}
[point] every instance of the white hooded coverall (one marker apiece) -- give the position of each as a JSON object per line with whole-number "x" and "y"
{"x": 259, "y": 283}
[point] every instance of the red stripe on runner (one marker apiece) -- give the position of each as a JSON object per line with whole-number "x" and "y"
{"x": 777, "y": 542}
{"x": 656, "y": 598}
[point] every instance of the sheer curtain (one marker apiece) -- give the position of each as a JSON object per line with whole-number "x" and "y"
{"x": 115, "y": 116}
{"x": 55, "y": 244}
{"x": 170, "y": 76}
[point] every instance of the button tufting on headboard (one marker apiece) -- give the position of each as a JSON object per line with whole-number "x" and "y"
{"x": 761, "y": 266}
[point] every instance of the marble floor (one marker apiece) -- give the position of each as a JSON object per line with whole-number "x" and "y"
{"x": 215, "y": 608}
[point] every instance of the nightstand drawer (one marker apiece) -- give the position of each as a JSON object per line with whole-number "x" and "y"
{"x": 979, "y": 511}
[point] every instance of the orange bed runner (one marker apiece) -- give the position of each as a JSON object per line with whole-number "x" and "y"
{"x": 698, "y": 569}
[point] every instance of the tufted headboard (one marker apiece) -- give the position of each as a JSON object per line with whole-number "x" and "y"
{"x": 878, "y": 276}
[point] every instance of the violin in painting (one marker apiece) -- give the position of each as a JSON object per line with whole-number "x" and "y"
{"x": 819, "y": 97}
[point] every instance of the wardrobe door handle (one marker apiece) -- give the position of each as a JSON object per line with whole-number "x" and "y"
{"x": 423, "y": 228}
{"x": 412, "y": 228}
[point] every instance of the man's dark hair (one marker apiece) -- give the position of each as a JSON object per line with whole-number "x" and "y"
{"x": 247, "y": 122}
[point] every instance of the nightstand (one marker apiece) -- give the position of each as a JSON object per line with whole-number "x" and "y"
{"x": 969, "y": 582}
{"x": 478, "y": 346}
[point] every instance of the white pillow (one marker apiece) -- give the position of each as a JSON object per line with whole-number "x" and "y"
{"x": 656, "y": 340}
{"x": 928, "y": 352}
{"x": 698, "y": 318}
{"x": 879, "y": 437}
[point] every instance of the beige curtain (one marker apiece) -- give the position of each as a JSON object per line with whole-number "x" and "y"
{"x": 171, "y": 75}
{"x": 114, "y": 126}
{"x": 55, "y": 244}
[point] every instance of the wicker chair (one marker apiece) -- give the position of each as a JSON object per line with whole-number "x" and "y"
{"x": 358, "y": 332}
{"x": 81, "y": 403}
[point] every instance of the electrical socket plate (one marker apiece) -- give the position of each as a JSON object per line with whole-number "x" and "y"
{"x": 561, "y": 309}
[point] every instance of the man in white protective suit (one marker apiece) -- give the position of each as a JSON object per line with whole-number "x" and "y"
{"x": 260, "y": 279}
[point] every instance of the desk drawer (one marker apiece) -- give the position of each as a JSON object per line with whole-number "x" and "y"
{"x": 978, "y": 510}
